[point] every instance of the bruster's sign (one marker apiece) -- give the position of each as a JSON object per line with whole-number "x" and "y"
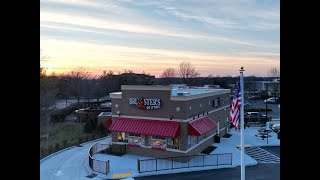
{"x": 145, "y": 103}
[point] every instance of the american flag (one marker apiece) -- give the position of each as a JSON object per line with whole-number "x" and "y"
{"x": 235, "y": 109}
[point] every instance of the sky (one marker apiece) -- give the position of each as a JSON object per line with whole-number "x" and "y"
{"x": 216, "y": 36}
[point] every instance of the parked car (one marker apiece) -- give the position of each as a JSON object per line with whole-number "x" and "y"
{"x": 276, "y": 127}
{"x": 272, "y": 100}
{"x": 256, "y": 117}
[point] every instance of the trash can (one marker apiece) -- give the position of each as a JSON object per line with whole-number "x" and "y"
{"x": 217, "y": 139}
{"x": 231, "y": 125}
{"x": 278, "y": 134}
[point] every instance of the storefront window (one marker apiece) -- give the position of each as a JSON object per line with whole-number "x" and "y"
{"x": 136, "y": 139}
{"x": 200, "y": 138}
{"x": 173, "y": 143}
{"x": 123, "y": 137}
{"x": 192, "y": 140}
{"x": 158, "y": 142}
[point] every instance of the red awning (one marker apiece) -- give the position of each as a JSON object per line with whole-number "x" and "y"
{"x": 108, "y": 122}
{"x": 147, "y": 127}
{"x": 201, "y": 126}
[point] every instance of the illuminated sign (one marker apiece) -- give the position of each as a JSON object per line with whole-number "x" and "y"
{"x": 148, "y": 104}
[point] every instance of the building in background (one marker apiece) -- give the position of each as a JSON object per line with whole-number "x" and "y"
{"x": 164, "y": 121}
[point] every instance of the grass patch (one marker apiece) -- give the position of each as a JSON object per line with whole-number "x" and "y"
{"x": 64, "y": 131}
{"x": 208, "y": 150}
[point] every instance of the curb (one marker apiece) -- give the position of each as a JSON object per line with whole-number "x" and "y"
{"x": 93, "y": 141}
{"x": 55, "y": 153}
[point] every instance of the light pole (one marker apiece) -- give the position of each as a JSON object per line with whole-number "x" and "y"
{"x": 266, "y": 102}
{"x": 66, "y": 80}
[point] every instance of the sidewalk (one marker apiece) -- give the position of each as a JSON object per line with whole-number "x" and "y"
{"x": 127, "y": 164}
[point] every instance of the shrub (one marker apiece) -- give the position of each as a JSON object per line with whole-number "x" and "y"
{"x": 88, "y": 127}
{"x": 101, "y": 129}
{"x": 57, "y": 146}
{"x": 50, "y": 149}
{"x": 64, "y": 142}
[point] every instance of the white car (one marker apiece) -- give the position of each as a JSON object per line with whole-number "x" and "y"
{"x": 276, "y": 127}
{"x": 271, "y": 100}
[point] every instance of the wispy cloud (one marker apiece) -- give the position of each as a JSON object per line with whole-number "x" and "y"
{"x": 86, "y": 21}
{"x": 215, "y": 35}
{"x": 151, "y": 60}
{"x": 238, "y": 14}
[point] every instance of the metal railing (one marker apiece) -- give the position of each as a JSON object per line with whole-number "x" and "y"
{"x": 170, "y": 163}
{"x": 98, "y": 165}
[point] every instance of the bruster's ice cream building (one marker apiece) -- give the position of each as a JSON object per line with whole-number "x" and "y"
{"x": 162, "y": 121}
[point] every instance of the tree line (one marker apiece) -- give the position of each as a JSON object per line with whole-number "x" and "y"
{"x": 81, "y": 84}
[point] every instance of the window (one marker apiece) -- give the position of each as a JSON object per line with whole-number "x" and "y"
{"x": 136, "y": 139}
{"x": 122, "y": 137}
{"x": 173, "y": 143}
{"x": 192, "y": 140}
{"x": 158, "y": 142}
{"x": 135, "y": 135}
{"x": 158, "y": 137}
{"x": 202, "y": 137}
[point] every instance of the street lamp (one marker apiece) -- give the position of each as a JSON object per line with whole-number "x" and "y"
{"x": 66, "y": 80}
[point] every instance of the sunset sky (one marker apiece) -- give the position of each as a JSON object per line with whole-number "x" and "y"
{"x": 216, "y": 36}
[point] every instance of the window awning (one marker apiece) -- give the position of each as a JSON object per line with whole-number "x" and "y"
{"x": 201, "y": 126}
{"x": 147, "y": 127}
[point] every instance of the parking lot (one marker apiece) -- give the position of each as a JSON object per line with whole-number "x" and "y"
{"x": 275, "y": 113}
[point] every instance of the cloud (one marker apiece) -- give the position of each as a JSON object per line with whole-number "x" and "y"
{"x": 231, "y": 14}
{"x": 85, "y": 3}
{"x": 92, "y": 22}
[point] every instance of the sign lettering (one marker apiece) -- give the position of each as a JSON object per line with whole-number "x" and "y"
{"x": 145, "y": 103}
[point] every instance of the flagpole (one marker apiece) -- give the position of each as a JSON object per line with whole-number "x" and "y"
{"x": 243, "y": 175}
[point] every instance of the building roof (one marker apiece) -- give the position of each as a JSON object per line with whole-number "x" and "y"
{"x": 193, "y": 91}
{"x": 186, "y": 91}
{"x": 147, "y": 127}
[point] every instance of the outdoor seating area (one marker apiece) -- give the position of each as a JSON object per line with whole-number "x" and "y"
{"x": 263, "y": 133}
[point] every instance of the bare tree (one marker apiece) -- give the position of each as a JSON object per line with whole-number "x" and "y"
{"x": 74, "y": 82}
{"x": 106, "y": 74}
{"x": 47, "y": 96}
{"x": 43, "y": 59}
{"x": 187, "y": 71}
{"x": 275, "y": 73}
{"x": 128, "y": 71}
{"x": 167, "y": 75}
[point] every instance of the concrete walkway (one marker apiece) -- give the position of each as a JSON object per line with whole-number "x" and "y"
{"x": 68, "y": 164}
{"x": 73, "y": 163}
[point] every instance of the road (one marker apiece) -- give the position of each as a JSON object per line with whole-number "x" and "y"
{"x": 266, "y": 171}
{"x": 70, "y": 164}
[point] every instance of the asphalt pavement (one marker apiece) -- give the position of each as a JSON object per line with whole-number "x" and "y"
{"x": 265, "y": 171}
{"x": 275, "y": 113}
